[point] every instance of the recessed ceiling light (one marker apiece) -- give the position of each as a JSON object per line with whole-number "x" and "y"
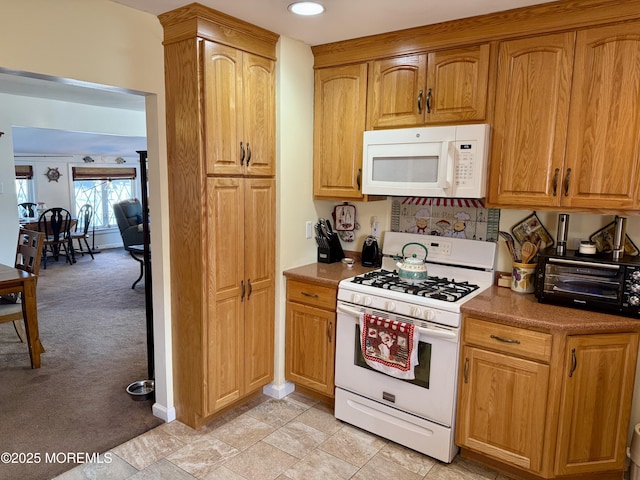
{"x": 306, "y": 8}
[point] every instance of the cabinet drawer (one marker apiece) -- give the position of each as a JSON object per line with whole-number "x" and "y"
{"x": 512, "y": 340}
{"x": 312, "y": 294}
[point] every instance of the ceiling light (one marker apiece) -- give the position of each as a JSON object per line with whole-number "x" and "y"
{"x": 306, "y": 8}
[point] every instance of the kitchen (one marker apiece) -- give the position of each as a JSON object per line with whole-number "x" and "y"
{"x": 295, "y": 200}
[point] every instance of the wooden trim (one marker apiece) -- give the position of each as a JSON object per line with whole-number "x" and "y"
{"x": 196, "y": 20}
{"x": 520, "y": 22}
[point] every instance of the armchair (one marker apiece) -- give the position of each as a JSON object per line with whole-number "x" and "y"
{"x": 128, "y": 214}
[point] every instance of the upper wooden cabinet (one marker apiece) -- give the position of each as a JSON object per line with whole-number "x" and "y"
{"x": 438, "y": 87}
{"x": 340, "y": 100}
{"x": 602, "y": 165}
{"x": 567, "y": 123}
{"x": 239, "y": 111}
{"x": 530, "y": 125}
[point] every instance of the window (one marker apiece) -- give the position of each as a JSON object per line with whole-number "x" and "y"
{"x": 101, "y": 187}
{"x": 24, "y": 183}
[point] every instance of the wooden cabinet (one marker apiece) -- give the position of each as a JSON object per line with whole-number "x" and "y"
{"x": 340, "y": 100}
{"x": 240, "y": 276}
{"x": 439, "y": 87}
{"x": 219, "y": 77}
{"x": 310, "y": 337}
{"x": 546, "y": 403}
{"x": 567, "y": 123}
{"x": 532, "y": 104}
{"x": 596, "y": 401}
{"x": 502, "y": 404}
{"x": 239, "y": 111}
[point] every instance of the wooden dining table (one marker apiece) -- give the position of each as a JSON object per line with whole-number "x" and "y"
{"x": 34, "y": 225}
{"x": 14, "y": 280}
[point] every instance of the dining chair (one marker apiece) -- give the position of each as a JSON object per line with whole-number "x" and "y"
{"x": 28, "y": 209}
{"x": 56, "y": 224}
{"x": 82, "y": 228}
{"x": 28, "y": 255}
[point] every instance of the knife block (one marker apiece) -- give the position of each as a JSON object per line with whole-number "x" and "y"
{"x": 333, "y": 253}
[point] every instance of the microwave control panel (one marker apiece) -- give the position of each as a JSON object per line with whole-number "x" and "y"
{"x": 464, "y": 171}
{"x": 631, "y": 290}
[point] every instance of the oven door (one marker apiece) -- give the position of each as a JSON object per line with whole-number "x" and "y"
{"x": 431, "y": 395}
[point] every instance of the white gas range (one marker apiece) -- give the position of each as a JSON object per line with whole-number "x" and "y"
{"x": 418, "y": 413}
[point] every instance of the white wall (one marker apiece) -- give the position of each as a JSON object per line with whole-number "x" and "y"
{"x": 105, "y": 43}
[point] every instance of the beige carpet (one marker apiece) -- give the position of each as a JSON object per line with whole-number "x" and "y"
{"x": 92, "y": 326}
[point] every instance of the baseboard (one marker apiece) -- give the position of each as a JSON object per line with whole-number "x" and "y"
{"x": 164, "y": 413}
{"x": 278, "y": 391}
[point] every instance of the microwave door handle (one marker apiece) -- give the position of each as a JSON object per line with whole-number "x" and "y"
{"x": 446, "y": 168}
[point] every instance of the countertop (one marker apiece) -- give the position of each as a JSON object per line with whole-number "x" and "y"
{"x": 524, "y": 310}
{"x": 326, "y": 273}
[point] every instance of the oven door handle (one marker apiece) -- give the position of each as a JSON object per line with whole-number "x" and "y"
{"x": 431, "y": 332}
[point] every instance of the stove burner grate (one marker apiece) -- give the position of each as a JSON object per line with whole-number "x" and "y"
{"x": 434, "y": 287}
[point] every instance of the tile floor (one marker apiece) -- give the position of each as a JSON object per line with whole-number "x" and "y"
{"x": 295, "y": 438}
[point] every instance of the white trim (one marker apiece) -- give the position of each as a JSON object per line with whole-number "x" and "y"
{"x": 164, "y": 413}
{"x": 279, "y": 391}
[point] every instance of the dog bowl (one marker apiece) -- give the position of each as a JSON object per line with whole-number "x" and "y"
{"x": 141, "y": 390}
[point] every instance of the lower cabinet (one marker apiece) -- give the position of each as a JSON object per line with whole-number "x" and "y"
{"x": 545, "y": 404}
{"x": 310, "y": 336}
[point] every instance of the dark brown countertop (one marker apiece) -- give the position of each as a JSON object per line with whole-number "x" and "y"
{"x": 326, "y": 273}
{"x": 523, "y": 310}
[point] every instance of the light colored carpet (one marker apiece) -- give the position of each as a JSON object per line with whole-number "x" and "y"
{"x": 92, "y": 326}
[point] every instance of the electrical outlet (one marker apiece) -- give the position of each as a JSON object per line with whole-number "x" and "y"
{"x": 375, "y": 229}
{"x": 308, "y": 227}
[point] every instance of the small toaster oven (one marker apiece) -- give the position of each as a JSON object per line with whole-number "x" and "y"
{"x": 594, "y": 282}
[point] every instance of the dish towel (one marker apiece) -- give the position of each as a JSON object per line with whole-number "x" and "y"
{"x": 389, "y": 346}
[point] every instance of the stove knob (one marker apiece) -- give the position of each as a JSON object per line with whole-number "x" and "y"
{"x": 634, "y": 300}
{"x": 415, "y": 312}
{"x": 391, "y": 306}
{"x": 368, "y": 301}
{"x": 635, "y": 275}
{"x": 635, "y": 288}
{"x": 429, "y": 315}
{"x": 356, "y": 298}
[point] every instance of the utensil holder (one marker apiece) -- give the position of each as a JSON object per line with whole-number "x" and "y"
{"x": 523, "y": 277}
{"x": 331, "y": 253}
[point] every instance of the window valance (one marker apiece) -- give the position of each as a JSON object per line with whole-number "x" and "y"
{"x": 103, "y": 173}
{"x": 24, "y": 172}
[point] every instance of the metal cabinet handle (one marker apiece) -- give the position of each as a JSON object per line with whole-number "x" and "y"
{"x": 420, "y": 101}
{"x": 241, "y": 154}
{"x": 574, "y": 362}
{"x": 466, "y": 370}
{"x": 566, "y": 182}
{"x": 555, "y": 182}
{"x": 242, "y": 288}
{"x": 359, "y": 179}
{"x": 307, "y": 294}
{"x": 505, "y": 340}
{"x": 329, "y": 331}
{"x": 250, "y": 288}
{"x": 248, "y": 154}
{"x": 429, "y": 101}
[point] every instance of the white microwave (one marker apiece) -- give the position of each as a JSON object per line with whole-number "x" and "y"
{"x": 449, "y": 161}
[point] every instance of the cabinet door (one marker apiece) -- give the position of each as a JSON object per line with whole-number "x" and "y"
{"x": 225, "y": 278}
{"x": 596, "y": 403}
{"x": 457, "y": 85}
{"x": 397, "y": 92}
{"x": 502, "y": 407}
{"x": 310, "y": 347}
{"x": 259, "y": 300}
{"x": 259, "y": 113}
{"x": 531, "y": 114}
{"x": 603, "y": 148}
{"x": 222, "y": 122}
{"x": 339, "y": 118}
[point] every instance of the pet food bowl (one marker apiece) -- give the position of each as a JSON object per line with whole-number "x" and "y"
{"x": 141, "y": 390}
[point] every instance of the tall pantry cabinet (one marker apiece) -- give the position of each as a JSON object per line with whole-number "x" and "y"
{"x": 220, "y": 101}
